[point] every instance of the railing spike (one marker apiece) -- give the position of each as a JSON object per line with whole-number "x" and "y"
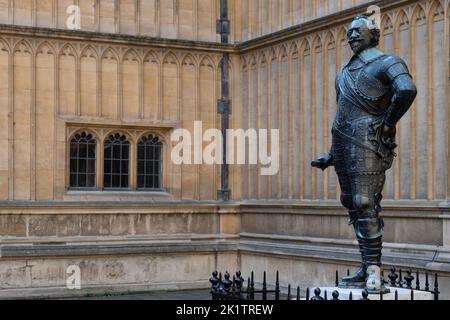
{"x": 417, "y": 281}
{"x": 400, "y": 279}
{"x": 264, "y": 297}
{"x": 277, "y": 287}
{"x": 289, "y": 298}
{"x": 436, "y": 288}
{"x": 337, "y": 278}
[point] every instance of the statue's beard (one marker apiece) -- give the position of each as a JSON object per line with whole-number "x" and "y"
{"x": 360, "y": 45}
{"x": 357, "y": 46}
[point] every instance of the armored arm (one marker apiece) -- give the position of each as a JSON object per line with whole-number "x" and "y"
{"x": 404, "y": 90}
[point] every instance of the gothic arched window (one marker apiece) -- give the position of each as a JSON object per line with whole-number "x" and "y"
{"x": 82, "y": 161}
{"x": 149, "y": 168}
{"x": 117, "y": 162}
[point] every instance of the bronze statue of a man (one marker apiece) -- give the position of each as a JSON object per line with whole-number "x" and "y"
{"x": 374, "y": 91}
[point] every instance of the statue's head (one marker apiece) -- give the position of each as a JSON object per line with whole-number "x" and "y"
{"x": 363, "y": 33}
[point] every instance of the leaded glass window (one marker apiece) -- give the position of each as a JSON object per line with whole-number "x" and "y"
{"x": 117, "y": 162}
{"x": 82, "y": 161}
{"x": 149, "y": 168}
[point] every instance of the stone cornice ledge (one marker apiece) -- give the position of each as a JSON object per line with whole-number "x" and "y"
{"x": 432, "y": 258}
{"x": 314, "y": 25}
{"x": 71, "y": 35}
{"x": 99, "y": 249}
{"x": 322, "y": 23}
{"x": 403, "y": 208}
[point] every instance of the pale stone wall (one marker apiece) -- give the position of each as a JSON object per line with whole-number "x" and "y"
{"x": 262, "y": 17}
{"x": 295, "y": 81}
{"x": 174, "y": 19}
{"x": 51, "y": 88}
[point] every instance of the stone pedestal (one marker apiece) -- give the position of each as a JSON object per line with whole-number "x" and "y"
{"x": 403, "y": 294}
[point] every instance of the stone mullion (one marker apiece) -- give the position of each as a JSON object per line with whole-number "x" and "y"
{"x": 120, "y": 63}
{"x": 99, "y": 86}
{"x": 302, "y": 11}
{"x": 430, "y": 144}
{"x": 97, "y": 15}
{"x": 280, "y": 17}
{"x": 33, "y": 127}
{"x": 280, "y": 122}
{"x": 413, "y": 123}
{"x": 214, "y": 15}
{"x": 195, "y": 19}
{"x": 55, "y": 119}
{"x": 100, "y": 154}
{"x": 325, "y": 130}
{"x": 397, "y": 183}
{"x": 34, "y": 13}
{"x": 137, "y": 17}
{"x": 11, "y": 125}
{"x": 313, "y": 118}
{"x": 291, "y": 12}
{"x": 179, "y": 91}
{"x": 11, "y": 11}
{"x": 117, "y": 16}
{"x": 141, "y": 88}
{"x": 250, "y": 98}
{"x": 216, "y": 173}
{"x": 302, "y": 122}
{"x": 55, "y": 13}
{"x": 290, "y": 126}
{"x": 78, "y": 85}
{"x": 260, "y": 18}
{"x": 237, "y": 123}
{"x": 161, "y": 90}
{"x": 133, "y": 165}
{"x": 197, "y": 118}
{"x": 447, "y": 85}
{"x": 269, "y": 113}
{"x": 176, "y": 19}
{"x": 260, "y": 120}
{"x": 269, "y": 9}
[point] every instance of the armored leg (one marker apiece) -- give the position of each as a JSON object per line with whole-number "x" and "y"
{"x": 369, "y": 227}
{"x": 358, "y": 279}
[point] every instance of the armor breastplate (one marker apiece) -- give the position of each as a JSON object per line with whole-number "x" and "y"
{"x": 369, "y": 87}
{"x": 363, "y": 99}
{"x": 347, "y": 113}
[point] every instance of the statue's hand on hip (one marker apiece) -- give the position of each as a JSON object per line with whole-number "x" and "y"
{"x": 388, "y": 134}
{"x": 323, "y": 162}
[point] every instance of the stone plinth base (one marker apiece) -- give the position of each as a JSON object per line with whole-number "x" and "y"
{"x": 403, "y": 294}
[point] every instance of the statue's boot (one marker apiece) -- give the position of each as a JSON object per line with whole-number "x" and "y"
{"x": 356, "y": 280}
{"x": 370, "y": 230}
